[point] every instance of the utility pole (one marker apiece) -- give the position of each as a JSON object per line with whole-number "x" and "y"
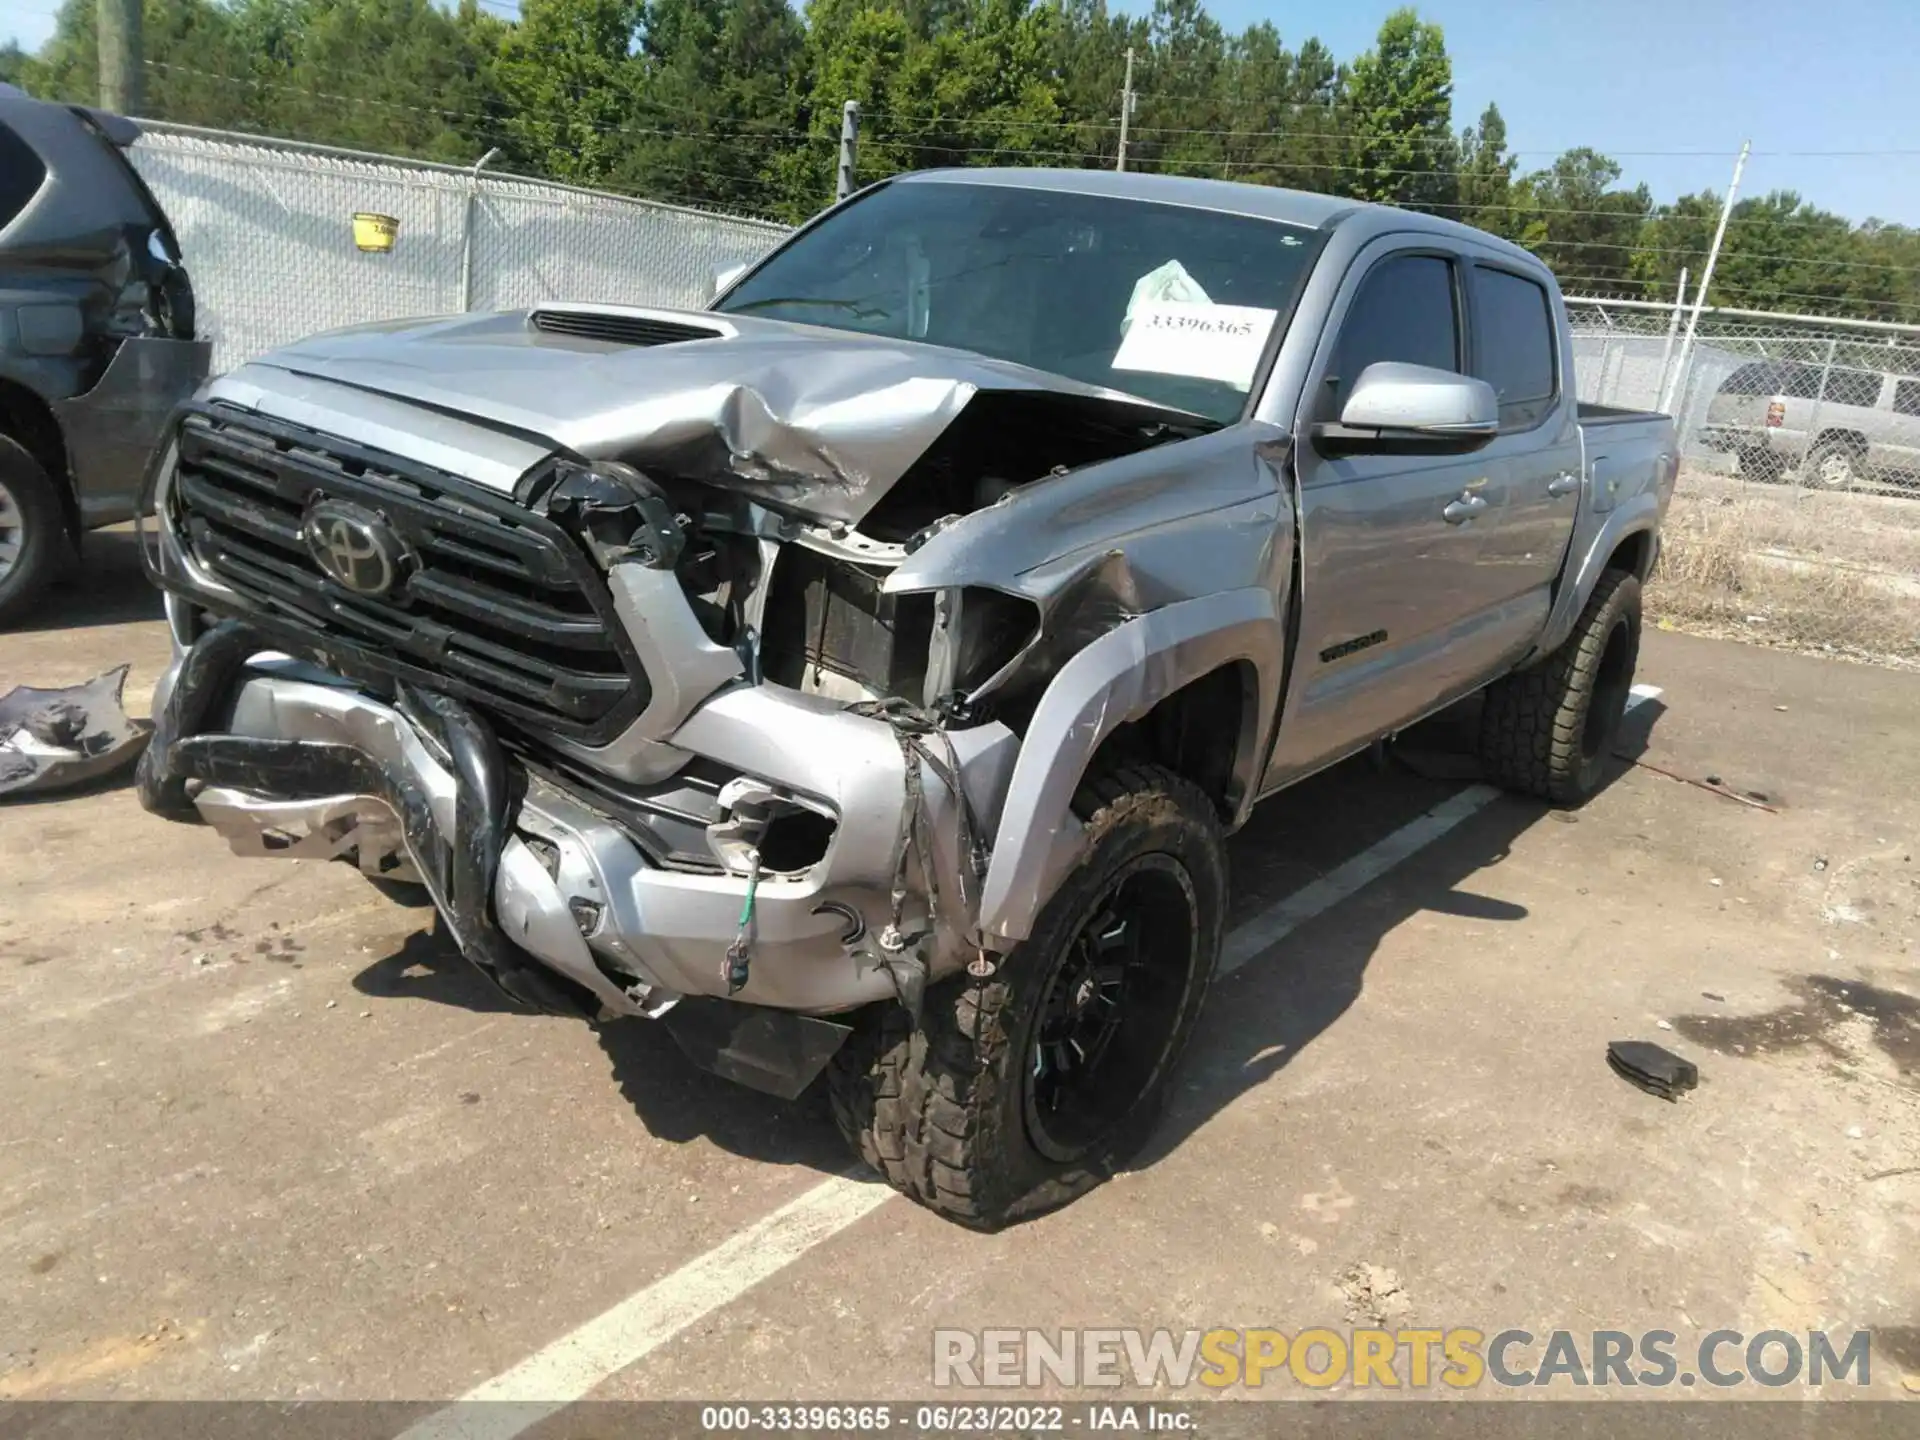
{"x": 118, "y": 28}
{"x": 1680, "y": 376}
{"x": 1126, "y": 110}
{"x": 849, "y": 147}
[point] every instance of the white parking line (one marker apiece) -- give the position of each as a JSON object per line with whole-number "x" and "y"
{"x": 565, "y": 1371}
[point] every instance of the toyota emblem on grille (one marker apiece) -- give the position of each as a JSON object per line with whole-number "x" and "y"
{"x": 354, "y": 546}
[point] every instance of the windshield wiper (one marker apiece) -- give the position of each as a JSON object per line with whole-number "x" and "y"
{"x": 853, "y": 306}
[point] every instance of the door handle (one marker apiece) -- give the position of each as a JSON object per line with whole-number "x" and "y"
{"x": 1458, "y": 512}
{"x": 1565, "y": 483}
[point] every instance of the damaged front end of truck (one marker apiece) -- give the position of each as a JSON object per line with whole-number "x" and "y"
{"x": 709, "y": 711}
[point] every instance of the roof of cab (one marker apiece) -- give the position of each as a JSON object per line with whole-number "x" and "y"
{"x": 1264, "y": 202}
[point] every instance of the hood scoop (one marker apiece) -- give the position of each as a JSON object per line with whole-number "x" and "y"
{"x": 621, "y": 327}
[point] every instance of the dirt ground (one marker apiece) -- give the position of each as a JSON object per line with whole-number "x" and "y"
{"x": 266, "y": 1136}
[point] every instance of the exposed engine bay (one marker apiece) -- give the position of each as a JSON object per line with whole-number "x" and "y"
{"x": 806, "y": 602}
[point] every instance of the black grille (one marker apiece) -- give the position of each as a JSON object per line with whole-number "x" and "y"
{"x": 619, "y": 329}
{"x": 497, "y": 605}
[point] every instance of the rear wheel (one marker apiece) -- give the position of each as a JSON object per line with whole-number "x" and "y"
{"x": 1017, "y": 1092}
{"x": 1547, "y": 730}
{"x": 32, "y": 530}
{"x": 1835, "y": 465}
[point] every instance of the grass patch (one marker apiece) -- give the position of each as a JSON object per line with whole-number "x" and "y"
{"x": 1805, "y": 569}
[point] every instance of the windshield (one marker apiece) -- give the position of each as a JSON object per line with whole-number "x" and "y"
{"x": 1166, "y": 302}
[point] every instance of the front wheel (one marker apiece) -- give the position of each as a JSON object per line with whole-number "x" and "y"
{"x": 1547, "y": 730}
{"x": 1020, "y": 1091}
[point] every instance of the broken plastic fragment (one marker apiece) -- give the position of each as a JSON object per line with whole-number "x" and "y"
{"x": 1654, "y": 1068}
{"x": 53, "y": 739}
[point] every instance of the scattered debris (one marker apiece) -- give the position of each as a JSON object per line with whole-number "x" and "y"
{"x": 1712, "y": 784}
{"x": 1653, "y": 1068}
{"x": 1819, "y": 862}
{"x": 1897, "y": 1170}
{"x": 1781, "y": 708}
{"x": 1713, "y": 995}
{"x": 1374, "y": 1295}
{"x": 1565, "y": 817}
{"x": 1716, "y": 881}
{"x": 1664, "y": 1024}
{"x": 1854, "y": 1132}
{"x": 333, "y": 1004}
{"x": 55, "y": 739}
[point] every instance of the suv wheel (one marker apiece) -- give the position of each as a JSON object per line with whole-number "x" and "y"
{"x": 1019, "y": 1092}
{"x": 1835, "y": 465}
{"x": 32, "y": 530}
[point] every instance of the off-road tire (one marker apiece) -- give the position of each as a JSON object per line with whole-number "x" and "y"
{"x": 937, "y": 1108}
{"x": 1535, "y": 735}
{"x": 43, "y": 538}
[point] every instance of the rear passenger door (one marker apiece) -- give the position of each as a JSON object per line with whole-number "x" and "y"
{"x": 1533, "y": 467}
{"x": 1394, "y": 600}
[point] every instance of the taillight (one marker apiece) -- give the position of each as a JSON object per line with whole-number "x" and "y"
{"x": 1776, "y": 414}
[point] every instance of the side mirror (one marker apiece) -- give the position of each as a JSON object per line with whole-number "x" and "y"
{"x": 1398, "y": 409}
{"x": 724, "y": 277}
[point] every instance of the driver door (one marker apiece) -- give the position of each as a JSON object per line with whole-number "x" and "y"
{"x": 1393, "y": 612}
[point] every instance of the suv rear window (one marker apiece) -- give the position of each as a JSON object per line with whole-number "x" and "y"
{"x": 21, "y": 175}
{"x": 1774, "y": 377}
{"x": 1513, "y": 344}
{"x": 1853, "y": 387}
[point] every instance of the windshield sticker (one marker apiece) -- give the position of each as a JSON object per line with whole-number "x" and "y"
{"x": 1203, "y": 342}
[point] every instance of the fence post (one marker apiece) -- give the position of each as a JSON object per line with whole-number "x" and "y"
{"x": 466, "y": 229}
{"x": 1819, "y": 399}
{"x": 1706, "y": 276}
{"x": 849, "y": 148}
{"x": 1673, "y": 328}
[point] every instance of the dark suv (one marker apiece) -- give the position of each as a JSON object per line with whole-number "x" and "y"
{"x": 97, "y": 339}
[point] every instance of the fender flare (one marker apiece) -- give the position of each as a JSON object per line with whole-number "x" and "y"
{"x": 1119, "y": 677}
{"x": 1641, "y": 514}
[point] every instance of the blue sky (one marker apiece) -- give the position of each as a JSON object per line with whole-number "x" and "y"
{"x": 1640, "y": 80}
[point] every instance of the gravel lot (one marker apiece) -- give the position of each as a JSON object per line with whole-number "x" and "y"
{"x": 267, "y": 1136}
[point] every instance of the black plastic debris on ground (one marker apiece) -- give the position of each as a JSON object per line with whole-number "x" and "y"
{"x": 56, "y": 739}
{"x": 1654, "y": 1068}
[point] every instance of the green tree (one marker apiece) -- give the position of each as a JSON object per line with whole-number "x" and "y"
{"x": 1400, "y": 95}
{"x": 1486, "y": 175}
{"x": 1575, "y": 215}
{"x": 570, "y": 80}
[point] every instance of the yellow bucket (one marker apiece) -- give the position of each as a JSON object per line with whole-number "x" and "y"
{"x": 374, "y": 232}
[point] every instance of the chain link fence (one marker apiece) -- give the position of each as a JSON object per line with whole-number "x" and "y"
{"x": 269, "y": 233}
{"x": 1797, "y": 515}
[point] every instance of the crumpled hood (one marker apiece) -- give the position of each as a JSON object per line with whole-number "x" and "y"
{"x": 816, "y": 420}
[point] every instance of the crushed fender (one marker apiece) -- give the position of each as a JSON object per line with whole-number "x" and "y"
{"x": 57, "y": 739}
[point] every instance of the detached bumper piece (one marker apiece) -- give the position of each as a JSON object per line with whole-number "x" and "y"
{"x": 57, "y": 739}
{"x": 459, "y": 871}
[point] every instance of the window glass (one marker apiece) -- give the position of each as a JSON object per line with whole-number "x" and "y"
{"x": 1853, "y": 387}
{"x": 20, "y": 175}
{"x": 1168, "y": 302}
{"x": 1906, "y": 397}
{"x": 1404, "y": 311}
{"x": 1513, "y": 344}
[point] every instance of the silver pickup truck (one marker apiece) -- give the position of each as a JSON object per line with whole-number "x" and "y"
{"x": 862, "y": 674}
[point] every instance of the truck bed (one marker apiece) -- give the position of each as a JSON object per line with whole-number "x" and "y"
{"x": 1590, "y": 414}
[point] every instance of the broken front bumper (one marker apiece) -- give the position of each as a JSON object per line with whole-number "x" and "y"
{"x": 548, "y": 896}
